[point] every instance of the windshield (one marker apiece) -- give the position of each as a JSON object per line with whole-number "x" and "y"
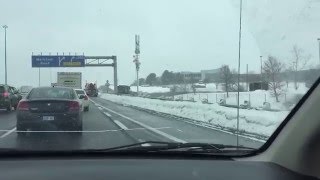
{"x": 224, "y": 72}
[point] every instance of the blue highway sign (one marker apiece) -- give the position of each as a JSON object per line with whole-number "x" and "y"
{"x": 58, "y": 61}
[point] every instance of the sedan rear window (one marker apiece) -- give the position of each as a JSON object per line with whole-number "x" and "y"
{"x": 80, "y": 92}
{"x": 51, "y": 93}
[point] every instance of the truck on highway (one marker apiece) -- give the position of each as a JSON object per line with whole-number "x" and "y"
{"x": 69, "y": 79}
{"x": 91, "y": 89}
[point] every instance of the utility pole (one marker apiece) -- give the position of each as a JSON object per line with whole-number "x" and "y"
{"x": 39, "y": 73}
{"x": 5, "y": 54}
{"x": 247, "y": 78}
{"x": 319, "y": 51}
{"x": 261, "y": 72}
{"x": 136, "y": 59}
{"x": 239, "y": 60}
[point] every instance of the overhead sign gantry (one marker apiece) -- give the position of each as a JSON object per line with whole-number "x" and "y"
{"x": 48, "y": 61}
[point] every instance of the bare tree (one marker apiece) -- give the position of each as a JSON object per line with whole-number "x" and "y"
{"x": 272, "y": 67}
{"x": 226, "y": 77}
{"x": 298, "y": 62}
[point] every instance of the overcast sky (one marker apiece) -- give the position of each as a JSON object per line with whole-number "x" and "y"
{"x": 181, "y": 35}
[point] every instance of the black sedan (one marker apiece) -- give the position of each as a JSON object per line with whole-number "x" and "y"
{"x": 53, "y": 108}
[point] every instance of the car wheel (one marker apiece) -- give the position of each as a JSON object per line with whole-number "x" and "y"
{"x": 79, "y": 127}
{"x": 21, "y": 127}
{"x": 9, "y": 108}
{"x": 15, "y": 107}
{"x": 86, "y": 108}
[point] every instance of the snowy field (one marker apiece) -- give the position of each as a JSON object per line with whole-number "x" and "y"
{"x": 256, "y": 98}
{"x": 150, "y": 89}
{"x": 251, "y": 121}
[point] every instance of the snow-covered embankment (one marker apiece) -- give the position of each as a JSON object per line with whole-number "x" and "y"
{"x": 251, "y": 121}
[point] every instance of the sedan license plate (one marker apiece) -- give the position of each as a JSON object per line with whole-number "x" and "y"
{"x": 48, "y": 118}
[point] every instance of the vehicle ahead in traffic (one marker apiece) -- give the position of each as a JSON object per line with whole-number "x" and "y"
{"x": 91, "y": 89}
{"x": 24, "y": 90}
{"x": 56, "y": 108}
{"x": 9, "y": 97}
{"x": 84, "y": 98}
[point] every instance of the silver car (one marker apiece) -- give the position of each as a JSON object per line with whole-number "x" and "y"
{"x": 84, "y": 98}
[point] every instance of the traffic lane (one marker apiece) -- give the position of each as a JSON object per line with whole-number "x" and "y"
{"x": 135, "y": 131}
{"x": 178, "y": 129}
{"x": 7, "y": 121}
{"x": 98, "y": 132}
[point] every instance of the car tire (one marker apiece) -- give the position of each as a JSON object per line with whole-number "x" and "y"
{"x": 15, "y": 107}
{"x": 78, "y": 127}
{"x": 21, "y": 127}
{"x": 9, "y": 108}
{"x": 86, "y": 109}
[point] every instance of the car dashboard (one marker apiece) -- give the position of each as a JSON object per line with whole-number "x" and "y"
{"x": 141, "y": 168}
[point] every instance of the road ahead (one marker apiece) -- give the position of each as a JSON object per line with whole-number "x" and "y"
{"x": 108, "y": 125}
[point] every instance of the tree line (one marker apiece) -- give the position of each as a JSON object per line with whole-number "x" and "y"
{"x": 166, "y": 78}
{"x": 275, "y": 72}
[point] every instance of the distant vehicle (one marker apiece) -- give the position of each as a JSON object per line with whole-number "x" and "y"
{"x": 84, "y": 98}
{"x": 199, "y": 85}
{"x": 9, "y": 97}
{"x": 55, "y": 107}
{"x": 91, "y": 89}
{"x": 122, "y": 89}
{"x": 69, "y": 79}
{"x": 24, "y": 90}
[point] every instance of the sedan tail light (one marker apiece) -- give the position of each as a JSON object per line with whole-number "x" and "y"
{"x": 5, "y": 94}
{"x": 74, "y": 106}
{"x": 23, "y": 106}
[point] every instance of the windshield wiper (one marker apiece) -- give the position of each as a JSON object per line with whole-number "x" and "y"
{"x": 159, "y": 146}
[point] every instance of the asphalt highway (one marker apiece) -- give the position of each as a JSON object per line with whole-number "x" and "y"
{"x": 107, "y": 125}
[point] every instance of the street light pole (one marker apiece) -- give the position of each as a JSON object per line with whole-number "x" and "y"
{"x": 136, "y": 59}
{"x": 319, "y": 50}
{"x": 5, "y": 54}
{"x": 239, "y": 59}
{"x": 261, "y": 72}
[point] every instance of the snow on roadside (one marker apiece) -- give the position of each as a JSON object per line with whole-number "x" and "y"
{"x": 150, "y": 89}
{"x": 256, "y": 98}
{"x": 251, "y": 121}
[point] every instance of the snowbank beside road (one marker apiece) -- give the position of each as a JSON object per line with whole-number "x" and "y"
{"x": 150, "y": 89}
{"x": 289, "y": 97}
{"x": 251, "y": 121}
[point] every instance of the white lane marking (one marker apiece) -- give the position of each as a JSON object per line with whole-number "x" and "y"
{"x": 100, "y": 108}
{"x": 8, "y": 132}
{"x": 107, "y": 114}
{"x": 146, "y": 126}
{"x": 122, "y": 126}
{"x": 217, "y": 129}
{"x": 180, "y": 130}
